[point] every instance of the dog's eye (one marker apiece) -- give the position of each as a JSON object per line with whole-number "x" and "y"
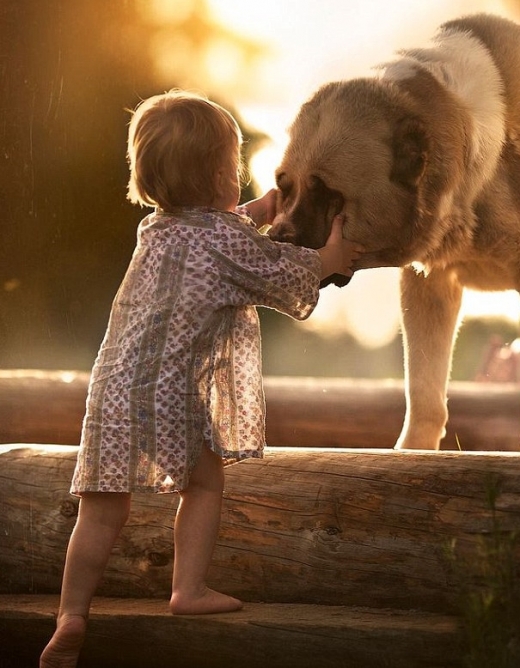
{"x": 315, "y": 183}
{"x": 283, "y": 184}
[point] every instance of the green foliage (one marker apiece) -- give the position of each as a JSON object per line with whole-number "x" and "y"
{"x": 488, "y": 582}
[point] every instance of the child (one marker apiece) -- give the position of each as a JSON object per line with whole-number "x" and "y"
{"x": 176, "y": 388}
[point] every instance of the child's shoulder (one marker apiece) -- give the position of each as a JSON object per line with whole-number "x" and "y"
{"x": 197, "y": 214}
{"x": 223, "y": 221}
{"x": 182, "y": 216}
{"x": 189, "y": 220}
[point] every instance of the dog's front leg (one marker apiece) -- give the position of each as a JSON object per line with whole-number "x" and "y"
{"x": 430, "y": 310}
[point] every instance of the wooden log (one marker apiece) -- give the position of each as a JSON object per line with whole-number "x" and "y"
{"x": 133, "y": 633}
{"x": 42, "y": 406}
{"x": 48, "y": 407}
{"x": 350, "y": 413}
{"x": 328, "y": 526}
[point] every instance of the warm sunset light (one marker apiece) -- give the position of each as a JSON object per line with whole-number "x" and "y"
{"x": 353, "y": 38}
{"x": 69, "y": 230}
{"x": 211, "y": 454}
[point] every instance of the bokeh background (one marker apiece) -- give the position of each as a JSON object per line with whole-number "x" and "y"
{"x": 69, "y": 72}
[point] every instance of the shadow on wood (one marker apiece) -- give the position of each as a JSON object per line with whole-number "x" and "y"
{"x": 134, "y": 633}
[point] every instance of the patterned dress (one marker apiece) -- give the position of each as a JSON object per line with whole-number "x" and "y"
{"x": 180, "y": 363}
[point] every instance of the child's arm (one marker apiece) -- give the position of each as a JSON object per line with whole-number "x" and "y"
{"x": 263, "y": 209}
{"x": 338, "y": 254}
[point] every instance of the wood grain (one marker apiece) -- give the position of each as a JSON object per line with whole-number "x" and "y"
{"x": 327, "y": 526}
{"x": 48, "y": 407}
{"x": 133, "y": 633}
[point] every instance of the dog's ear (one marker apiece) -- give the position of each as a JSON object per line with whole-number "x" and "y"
{"x": 410, "y": 152}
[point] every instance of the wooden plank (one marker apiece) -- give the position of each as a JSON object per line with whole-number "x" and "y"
{"x": 48, "y": 407}
{"x": 327, "y": 526}
{"x": 134, "y": 633}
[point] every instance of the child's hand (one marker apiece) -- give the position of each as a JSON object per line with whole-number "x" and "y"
{"x": 338, "y": 254}
{"x": 263, "y": 209}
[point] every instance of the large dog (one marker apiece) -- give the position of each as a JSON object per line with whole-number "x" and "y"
{"x": 424, "y": 161}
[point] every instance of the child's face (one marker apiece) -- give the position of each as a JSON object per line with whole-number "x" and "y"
{"x": 228, "y": 192}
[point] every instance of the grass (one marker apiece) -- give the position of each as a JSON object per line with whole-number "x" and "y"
{"x": 488, "y": 582}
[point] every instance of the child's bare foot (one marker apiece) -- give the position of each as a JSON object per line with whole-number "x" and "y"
{"x": 64, "y": 646}
{"x": 208, "y": 602}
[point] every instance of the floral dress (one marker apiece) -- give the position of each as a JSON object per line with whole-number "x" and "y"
{"x": 180, "y": 363}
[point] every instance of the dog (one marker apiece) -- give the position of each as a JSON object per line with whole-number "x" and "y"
{"x": 423, "y": 160}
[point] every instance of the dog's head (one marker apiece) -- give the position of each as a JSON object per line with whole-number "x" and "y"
{"x": 306, "y": 208}
{"x": 356, "y": 149}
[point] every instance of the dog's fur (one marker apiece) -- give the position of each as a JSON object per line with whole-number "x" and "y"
{"x": 424, "y": 160}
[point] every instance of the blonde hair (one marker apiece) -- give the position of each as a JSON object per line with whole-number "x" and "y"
{"x": 177, "y": 143}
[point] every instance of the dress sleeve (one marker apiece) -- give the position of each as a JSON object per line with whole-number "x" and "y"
{"x": 261, "y": 272}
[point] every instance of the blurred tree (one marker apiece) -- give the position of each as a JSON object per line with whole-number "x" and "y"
{"x": 68, "y": 73}
{"x": 194, "y": 50}
{"x": 291, "y": 350}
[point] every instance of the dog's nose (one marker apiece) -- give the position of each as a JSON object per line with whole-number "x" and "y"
{"x": 282, "y": 232}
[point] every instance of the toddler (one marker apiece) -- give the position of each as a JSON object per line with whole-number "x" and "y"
{"x": 176, "y": 388}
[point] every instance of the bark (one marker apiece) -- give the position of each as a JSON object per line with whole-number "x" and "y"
{"x": 328, "y": 526}
{"x": 48, "y": 407}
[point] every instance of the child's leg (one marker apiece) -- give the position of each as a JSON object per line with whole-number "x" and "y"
{"x": 196, "y": 529}
{"x": 100, "y": 519}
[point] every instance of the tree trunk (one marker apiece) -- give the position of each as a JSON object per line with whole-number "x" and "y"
{"x": 48, "y": 407}
{"x": 336, "y": 527}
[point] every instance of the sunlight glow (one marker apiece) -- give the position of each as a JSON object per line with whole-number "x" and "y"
{"x": 222, "y": 62}
{"x": 310, "y": 44}
{"x": 369, "y": 309}
{"x": 164, "y": 11}
{"x": 262, "y": 165}
{"x": 172, "y": 59}
{"x": 50, "y": 449}
{"x": 373, "y": 31}
{"x": 500, "y": 304}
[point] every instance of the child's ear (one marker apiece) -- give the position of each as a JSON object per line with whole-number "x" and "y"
{"x": 220, "y": 183}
